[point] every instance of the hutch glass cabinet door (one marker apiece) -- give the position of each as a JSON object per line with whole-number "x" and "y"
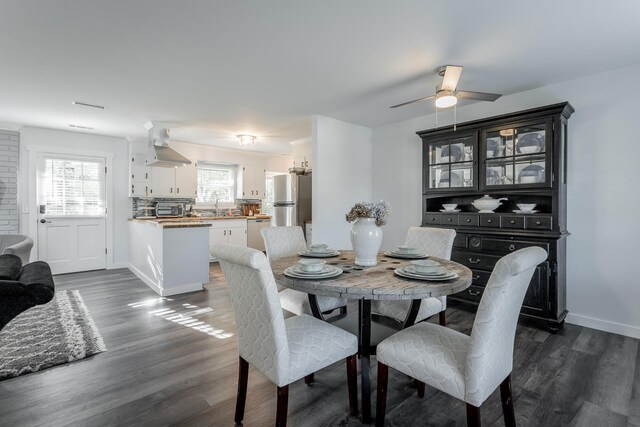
{"x": 451, "y": 163}
{"x": 517, "y": 155}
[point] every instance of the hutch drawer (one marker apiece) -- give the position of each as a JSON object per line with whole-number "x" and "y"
{"x": 489, "y": 220}
{"x": 431, "y": 219}
{"x": 480, "y": 278}
{"x": 512, "y": 221}
{"x": 461, "y": 241}
{"x": 472, "y": 293}
{"x": 449, "y": 219}
{"x": 475, "y": 260}
{"x": 540, "y": 223}
{"x": 507, "y": 245}
{"x": 469, "y": 220}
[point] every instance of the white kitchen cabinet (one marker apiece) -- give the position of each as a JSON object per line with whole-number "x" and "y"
{"x": 139, "y": 176}
{"x": 227, "y": 232}
{"x": 164, "y": 182}
{"x": 253, "y": 182}
{"x": 186, "y": 183}
{"x": 254, "y": 238}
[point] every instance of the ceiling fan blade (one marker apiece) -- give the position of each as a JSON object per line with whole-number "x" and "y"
{"x": 415, "y": 100}
{"x": 479, "y": 96}
{"x": 451, "y": 77}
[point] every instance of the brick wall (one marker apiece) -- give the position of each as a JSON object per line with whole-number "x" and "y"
{"x": 9, "y": 151}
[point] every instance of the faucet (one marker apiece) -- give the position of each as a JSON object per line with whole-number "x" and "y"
{"x": 217, "y": 211}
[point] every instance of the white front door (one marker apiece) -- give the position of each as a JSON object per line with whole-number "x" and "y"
{"x": 72, "y": 213}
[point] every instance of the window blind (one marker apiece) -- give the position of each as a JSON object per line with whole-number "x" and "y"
{"x": 74, "y": 187}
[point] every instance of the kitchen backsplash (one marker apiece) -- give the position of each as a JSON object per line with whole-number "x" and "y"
{"x": 138, "y": 206}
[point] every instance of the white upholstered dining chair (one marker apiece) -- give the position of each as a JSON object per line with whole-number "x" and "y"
{"x": 283, "y": 350}
{"x": 436, "y": 242}
{"x": 283, "y": 242}
{"x": 469, "y": 368}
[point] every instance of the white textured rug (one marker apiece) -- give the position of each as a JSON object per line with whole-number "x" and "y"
{"x": 52, "y": 334}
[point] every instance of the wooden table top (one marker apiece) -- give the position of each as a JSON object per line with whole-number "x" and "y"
{"x": 376, "y": 283}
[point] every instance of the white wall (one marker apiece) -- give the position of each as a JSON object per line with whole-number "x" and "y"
{"x": 79, "y": 142}
{"x": 602, "y": 284}
{"x": 341, "y": 177}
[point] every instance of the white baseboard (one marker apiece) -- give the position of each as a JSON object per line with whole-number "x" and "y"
{"x": 117, "y": 265}
{"x": 182, "y": 289}
{"x": 604, "y": 325}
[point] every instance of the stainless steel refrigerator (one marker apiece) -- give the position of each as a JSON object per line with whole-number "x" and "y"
{"x": 291, "y": 199}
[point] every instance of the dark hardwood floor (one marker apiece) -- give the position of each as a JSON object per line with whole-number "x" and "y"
{"x": 168, "y": 363}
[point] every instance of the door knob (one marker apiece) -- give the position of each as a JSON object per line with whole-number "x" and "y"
{"x": 44, "y": 221}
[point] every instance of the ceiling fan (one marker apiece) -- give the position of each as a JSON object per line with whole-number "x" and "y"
{"x": 447, "y": 94}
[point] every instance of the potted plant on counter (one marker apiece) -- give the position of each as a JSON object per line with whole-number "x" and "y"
{"x": 366, "y": 234}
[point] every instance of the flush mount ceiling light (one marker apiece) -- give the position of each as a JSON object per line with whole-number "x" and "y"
{"x": 247, "y": 139}
{"x": 445, "y": 99}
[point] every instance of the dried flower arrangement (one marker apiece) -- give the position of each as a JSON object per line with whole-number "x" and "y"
{"x": 379, "y": 211}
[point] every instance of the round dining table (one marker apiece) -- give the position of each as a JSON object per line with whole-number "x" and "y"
{"x": 366, "y": 284}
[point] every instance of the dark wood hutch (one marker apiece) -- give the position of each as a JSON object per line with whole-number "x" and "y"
{"x": 521, "y": 156}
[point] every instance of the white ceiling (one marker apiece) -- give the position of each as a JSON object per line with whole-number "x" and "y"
{"x": 218, "y": 69}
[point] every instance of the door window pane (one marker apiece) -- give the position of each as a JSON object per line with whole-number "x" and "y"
{"x": 73, "y": 187}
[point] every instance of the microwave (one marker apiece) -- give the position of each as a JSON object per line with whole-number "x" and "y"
{"x": 169, "y": 210}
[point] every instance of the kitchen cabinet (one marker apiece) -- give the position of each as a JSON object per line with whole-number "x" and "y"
{"x": 175, "y": 182}
{"x": 253, "y": 182}
{"x": 186, "y": 181}
{"x": 227, "y": 232}
{"x": 254, "y": 238}
{"x": 520, "y": 156}
{"x": 139, "y": 176}
{"x": 164, "y": 182}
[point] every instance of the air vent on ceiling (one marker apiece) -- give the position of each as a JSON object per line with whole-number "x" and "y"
{"x": 80, "y": 127}
{"x": 86, "y": 104}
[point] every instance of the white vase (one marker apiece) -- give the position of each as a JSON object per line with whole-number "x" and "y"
{"x": 366, "y": 238}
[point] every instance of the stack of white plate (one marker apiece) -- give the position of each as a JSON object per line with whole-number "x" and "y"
{"x": 439, "y": 274}
{"x": 326, "y": 272}
{"x": 326, "y": 253}
{"x": 406, "y": 253}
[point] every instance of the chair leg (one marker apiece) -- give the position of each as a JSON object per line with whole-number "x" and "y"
{"x": 308, "y": 379}
{"x": 381, "y": 401}
{"x": 420, "y": 386}
{"x": 507, "y": 402}
{"x": 352, "y": 384}
{"x": 283, "y": 404}
{"x": 473, "y": 416}
{"x": 443, "y": 318}
{"x": 241, "y": 399}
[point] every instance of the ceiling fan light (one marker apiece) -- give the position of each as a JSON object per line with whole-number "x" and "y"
{"x": 246, "y": 139}
{"x": 446, "y": 100}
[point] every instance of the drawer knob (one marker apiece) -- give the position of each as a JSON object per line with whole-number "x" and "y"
{"x": 474, "y": 261}
{"x": 512, "y": 247}
{"x": 474, "y": 278}
{"x": 433, "y": 219}
{"x": 474, "y": 293}
{"x": 489, "y": 221}
{"x": 468, "y": 220}
{"x": 538, "y": 223}
{"x": 449, "y": 219}
{"x": 512, "y": 222}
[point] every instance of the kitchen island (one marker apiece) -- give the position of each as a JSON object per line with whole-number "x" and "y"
{"x": 170, "y": 256}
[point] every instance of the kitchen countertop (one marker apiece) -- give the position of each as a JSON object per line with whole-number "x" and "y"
{"x": 187, "y": 222}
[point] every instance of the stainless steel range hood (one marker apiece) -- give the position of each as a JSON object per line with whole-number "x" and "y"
{"x": 159, "y": 154}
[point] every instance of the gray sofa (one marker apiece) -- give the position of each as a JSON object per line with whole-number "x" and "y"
{"x": 16, "y": 244}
